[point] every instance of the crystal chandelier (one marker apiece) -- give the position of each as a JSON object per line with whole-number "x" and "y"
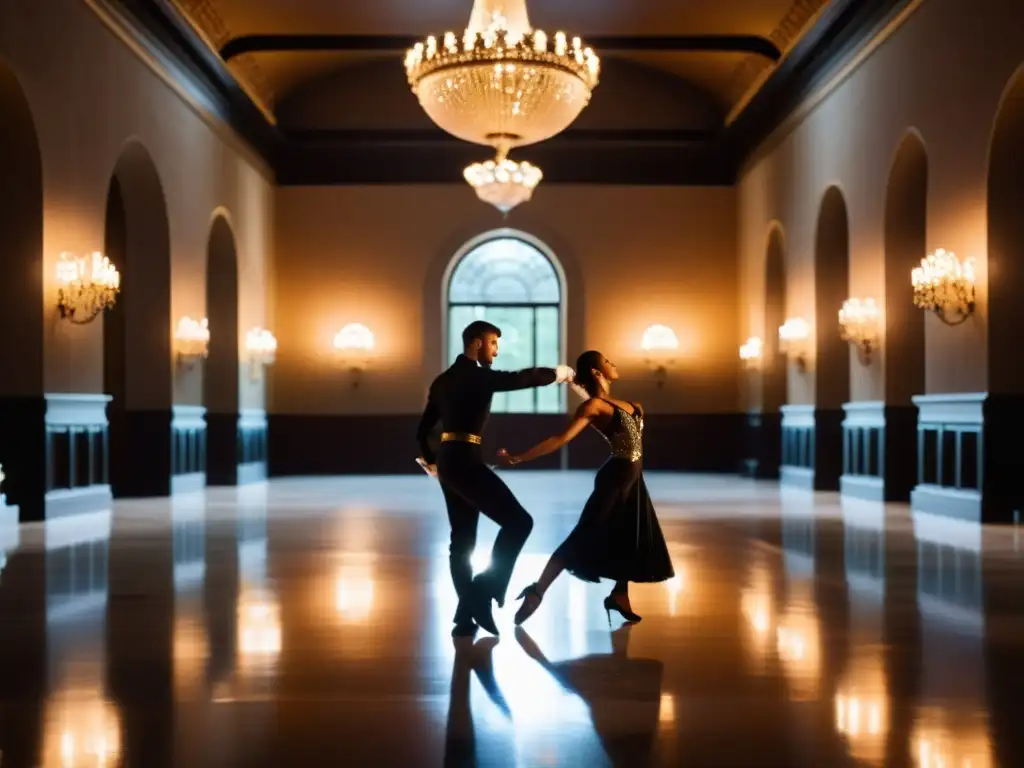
{"x": 945, "y": 285}
{"x": 502, "y": 182}
{"x": 87, "y": 285}
{"x": 503, "y": 84}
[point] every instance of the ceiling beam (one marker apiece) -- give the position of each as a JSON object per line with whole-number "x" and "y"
{"x": 744, "y": 44}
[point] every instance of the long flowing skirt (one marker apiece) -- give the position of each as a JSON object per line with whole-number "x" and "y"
{"x": 618, "y": 536}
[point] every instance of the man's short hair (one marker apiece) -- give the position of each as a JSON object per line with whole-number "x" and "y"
{"x": 477, "y": 330}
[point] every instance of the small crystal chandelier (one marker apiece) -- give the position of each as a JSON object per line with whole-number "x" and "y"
{"x": 87, "y": 285}
{"x": 502, "y": 182}
{"x": 945, "y": 285}
{"x": 503, "y": 84}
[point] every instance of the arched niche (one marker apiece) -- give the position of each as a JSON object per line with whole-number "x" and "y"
{"x": 775, "y": 376}
{"x": 831, "y": 289}
{"x": 832, "y": 354}
{"x": 1006, "y": 242}
{"x": 220, "y": 376}
{"x": 22, "y": 406}
{"x": 906, "y": 235}
{"x": 137, "y": 358}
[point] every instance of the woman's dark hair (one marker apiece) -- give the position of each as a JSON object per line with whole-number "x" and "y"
{"x": 585, "y": 365}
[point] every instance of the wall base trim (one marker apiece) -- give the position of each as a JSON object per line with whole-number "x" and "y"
{"x": 250, "y": 474}
{"x": 797, "y": 477}
{"x": 947, "y": 502}
{"x": 188, "y": 483}
{"x": 862, "y": 487}
{"x": 65, "y": 502}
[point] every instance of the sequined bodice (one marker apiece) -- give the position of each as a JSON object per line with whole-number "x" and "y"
{"x": 625, "y": 434}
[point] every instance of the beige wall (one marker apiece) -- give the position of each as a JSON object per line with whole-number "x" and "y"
{"x": 89, "y": 94}
{"x": 941, "y": 73}
{"x": 633, "y": 256}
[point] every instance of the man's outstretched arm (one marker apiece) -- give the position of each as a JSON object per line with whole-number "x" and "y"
{"x": 508, "y": 381}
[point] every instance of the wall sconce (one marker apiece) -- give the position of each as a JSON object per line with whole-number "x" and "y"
{"x": 192, "y": 341}
{"x": 86, "y": 286}
{"x": 659, "y": 342}
{"x": 793, "y": 336}
{"x": 750, "y": 353}
{"x": 353, "y": 345}
{"x": 858, "y": 324}
{"x": 260, "y": 349}
{"x": 945, "y": 285}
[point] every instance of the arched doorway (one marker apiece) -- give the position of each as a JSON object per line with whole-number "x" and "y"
{"x": 765, "y": 423}
{"x": 906, "y": 243}
{"x": 1003, "y": 465}
{"x": 137, "y": 330}
{"x": 22, "y": 405}
{"x": 220, "y": 377}
{"x": 832, "y": 354}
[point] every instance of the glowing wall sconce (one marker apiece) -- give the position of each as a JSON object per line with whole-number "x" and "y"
{"x": 750, "y": 353}
{"x": 793, "y": 336}
{"x": 260, "y": 349}
{"x": 353, "y": 344}
{"x": 192, "y": 341}
{"x": 660, "y": 344}
{"x": 858, "y": 325}
{"x": 86, "y": 286}
{"x": 945, "y": 285}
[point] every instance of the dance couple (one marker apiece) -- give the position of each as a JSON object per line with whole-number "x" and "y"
{"x": 617, "y": 536}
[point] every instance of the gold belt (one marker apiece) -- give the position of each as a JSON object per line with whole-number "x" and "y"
{"x": 460, "y": 437}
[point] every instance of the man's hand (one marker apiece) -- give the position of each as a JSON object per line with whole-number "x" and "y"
{"x": 430, "y": 469}
{"x": 564, "y": 373}
{"x": 505, "y": 459}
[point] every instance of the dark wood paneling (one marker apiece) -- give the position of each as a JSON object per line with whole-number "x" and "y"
{"x": 762, "y": 454}
{"x": 140, "y": 452}
{"x": 398, "y": 44}
{"x": 328, "y": 445}
{"x": 23, "y": 454}
{"x": 1003, "y": 457}
{"x": 222, "y": 446}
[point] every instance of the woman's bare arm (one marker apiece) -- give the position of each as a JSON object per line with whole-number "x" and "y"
{"x": 585, "y": 415}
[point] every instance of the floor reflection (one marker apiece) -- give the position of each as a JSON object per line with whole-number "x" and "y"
{"x": 308, "y": 623}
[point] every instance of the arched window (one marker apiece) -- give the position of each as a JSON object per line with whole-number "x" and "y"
{"x": 513, "y": 284}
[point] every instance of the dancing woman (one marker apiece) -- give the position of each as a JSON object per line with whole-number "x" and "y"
{"x": 617, "y": 536}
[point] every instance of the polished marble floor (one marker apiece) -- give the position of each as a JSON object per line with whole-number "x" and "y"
{"x": 306, "y": 623}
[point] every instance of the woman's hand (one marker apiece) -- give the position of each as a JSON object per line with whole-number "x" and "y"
{"x": 506, "y": 459}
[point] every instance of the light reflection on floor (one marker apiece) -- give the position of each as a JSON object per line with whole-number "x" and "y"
{"x": 231, "y": 629}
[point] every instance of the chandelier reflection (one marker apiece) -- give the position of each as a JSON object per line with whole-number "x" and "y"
{"x": 797, "y": 644}
{"x": 862, "y": 707}
{"x": 82, "y": 729}
{"x": 86, "y": 286}
{"x": 503, "y": 183}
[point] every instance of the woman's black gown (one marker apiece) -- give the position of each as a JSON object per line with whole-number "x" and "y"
{"x": 618, "y": 536}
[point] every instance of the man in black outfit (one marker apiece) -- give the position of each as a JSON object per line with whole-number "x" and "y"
{"x": 460, "y": 398}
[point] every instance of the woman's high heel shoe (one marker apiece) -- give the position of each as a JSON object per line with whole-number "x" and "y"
{"x": 528, "y": 607}
{"x": 611, "y": 604}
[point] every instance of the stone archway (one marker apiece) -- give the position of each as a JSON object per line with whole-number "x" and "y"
{"x": 832, "y": 354}
{"x": 220, "y": 377}
{"x": 1002, "y": 453}
{"x": 22, "y": 404}
{"x": 137, "y": 362}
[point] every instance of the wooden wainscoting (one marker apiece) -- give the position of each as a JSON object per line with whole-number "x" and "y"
{"x": 77, "y": 454}
{"x": 188, "y": 448}
{"x": 252, "y": 446}
{"x": 879, "y": 455}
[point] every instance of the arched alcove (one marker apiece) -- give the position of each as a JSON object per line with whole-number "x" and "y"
{"x": 137, "y": 361}
{"x": 515, "y": 282}
{"x": 1006, "y": 243}
{"x": 832, "y": 358}
{"x": 220, "y": 377}
{"x": 22, "y": 406}
{"x": 774, "y": 363}
{"x": 906, "y": 235}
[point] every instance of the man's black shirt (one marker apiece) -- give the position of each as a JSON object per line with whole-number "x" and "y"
{"x": 460, "y": 398}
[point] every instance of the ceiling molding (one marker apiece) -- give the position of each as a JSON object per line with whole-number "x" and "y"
{"x": 843, "y": 26}
{"x": 398, "y": 44}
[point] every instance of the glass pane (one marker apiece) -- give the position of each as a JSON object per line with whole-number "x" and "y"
{"x": 504, "y": 271}
{"x": 549, "y": 399}
{"x": 515, "y": 352}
